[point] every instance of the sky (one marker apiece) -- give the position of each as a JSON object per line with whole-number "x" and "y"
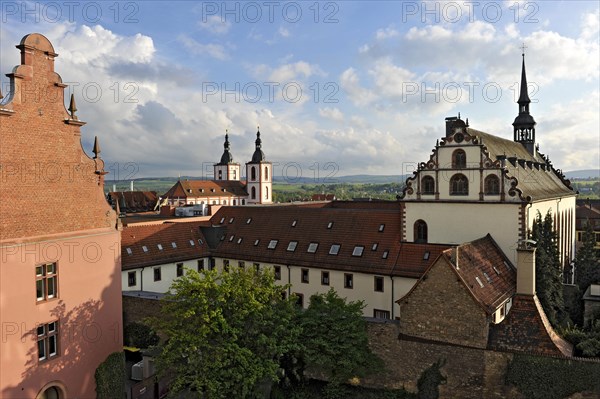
{"x": 337, "y": 87}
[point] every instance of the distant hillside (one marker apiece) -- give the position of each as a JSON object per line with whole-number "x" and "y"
{"x": 353, "y": 179}
{"x": 583, "y": 174}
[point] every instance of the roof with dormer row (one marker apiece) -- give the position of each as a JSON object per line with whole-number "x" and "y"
{"x": 207, "y": 188}
{"x": 354, "y": 239}
{"x": 532, "y": 180}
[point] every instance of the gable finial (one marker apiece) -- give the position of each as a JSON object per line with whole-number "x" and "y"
{"x": 96, "y": 149}
{"x": 73, "y": 107}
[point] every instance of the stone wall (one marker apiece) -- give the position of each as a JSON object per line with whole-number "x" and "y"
{"x": 136, "y": 309}
{"x": 440, "y": 308}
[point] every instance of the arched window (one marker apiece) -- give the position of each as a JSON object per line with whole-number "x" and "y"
{"x": 51, "y": 393}
{"x": 234, "y": 172}
{"x": 253, "y": 173}
{"x": 266, "y": 192}
{"x": 420, "y": 231}
{"x": 220, "y": 174}
{"x": 253, "y": 195}
{"x": 427, "y": 185}
{"x": 459, "y": 185}
{"x": 266, "y": 173}
{"x": 459, "y": 159}
{"x": 492, "y": 185}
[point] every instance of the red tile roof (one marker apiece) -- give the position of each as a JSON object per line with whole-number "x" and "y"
{"x": 326, "y": 226}
{"x": 526, "y": 329}
{"x": 485, "y": 270}
{"x": 136, "y": 237}
{"x": 134, "y": 200}
{"x": 206, "y": 188}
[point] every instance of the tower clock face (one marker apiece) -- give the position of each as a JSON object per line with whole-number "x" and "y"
{"x": 458, "y": 136}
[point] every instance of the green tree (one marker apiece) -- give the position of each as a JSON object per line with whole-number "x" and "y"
{"x": 587, "y": 268}
{"x": 226, "y": 332}
{"x": 548, "y": 271}
{"x": 139, "y": 335}
{"x": 335, "y": 339}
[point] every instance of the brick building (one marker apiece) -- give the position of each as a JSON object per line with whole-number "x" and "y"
{"x": 60, "y": 301}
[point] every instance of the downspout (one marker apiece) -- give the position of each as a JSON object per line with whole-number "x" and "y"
{"x": 142, "y": 279}
{"x": 289, "y": 284}
{"x": 392, "y": 280}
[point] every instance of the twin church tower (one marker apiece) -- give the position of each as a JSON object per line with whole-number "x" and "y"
{"x": 259, "y": 172}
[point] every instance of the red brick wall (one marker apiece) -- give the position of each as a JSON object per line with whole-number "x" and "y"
{"x": 46, "y": 177}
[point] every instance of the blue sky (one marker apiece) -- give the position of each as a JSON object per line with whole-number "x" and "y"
{"x": 338, "y": 88}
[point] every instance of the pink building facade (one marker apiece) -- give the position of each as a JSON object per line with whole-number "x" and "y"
{"x": 60, "y": 286}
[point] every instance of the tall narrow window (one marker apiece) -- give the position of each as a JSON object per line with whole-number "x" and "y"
{"x": 324, "y": 278}
{"x": 420, "y": 231}
{"x": 266, "y": 192}
{"x": 200, "y": 264}
{"x": 492, "y": 185}
{"x": 348, "y": 280}
{"x": 427, "y": 185}
{"x": 157, "y": 274}
{"x": 459, "y": 159}
{"x": 220, "y": 174}
{"x": 131, "y": 279}
{"x": 47, "y": 341}
{"x": 253, "y": 195}
{"x": 253, "y": 173}
{"x": 179, "y": 269}
{"x": 459, "y": 185}
{"x": 266, "y": 173}
{"x": 46, "y": 281}
{"x": 378, "y": 284}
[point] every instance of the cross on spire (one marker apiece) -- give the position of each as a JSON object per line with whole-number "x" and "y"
{"x": 523, "y": 47}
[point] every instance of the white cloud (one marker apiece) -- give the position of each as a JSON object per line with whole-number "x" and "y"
{"x": 386, "y": 33}
{"x": 213, "y": 50}
{"x": 283, "y": 32}
{"x": 215, "y": 25}
{"x": 332, "y": 113}
{"x": 358, "y": 94}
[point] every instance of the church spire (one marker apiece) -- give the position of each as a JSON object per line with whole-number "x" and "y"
{"x": 226, "y": 158}
{"x": 524, "y": 124}
{"x": 258, "y": 155}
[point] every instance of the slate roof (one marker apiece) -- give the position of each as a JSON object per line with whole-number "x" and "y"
{"x": 250, "y": 230}
{"x": 585, "y": 213}
{"x": 182, "y": 234}
{"x": 486, "y": 272}
{"x": 533, "y": 181}
{"x": 527, "y": 329}
{"x": 212, "y": 188}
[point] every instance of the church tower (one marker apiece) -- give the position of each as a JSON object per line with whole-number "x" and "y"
{"x": 524, "y": 124}
{"x": 259, "y": 176}
{"x": 227, "y": 169}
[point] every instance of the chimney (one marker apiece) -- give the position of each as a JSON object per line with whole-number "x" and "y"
{"x": 114, "y": 188}
{"x": 131, "y": 186}
{"x": 526, "y": 267}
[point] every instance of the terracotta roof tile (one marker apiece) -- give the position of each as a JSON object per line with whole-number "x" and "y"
{"x": 249, "y": 230}
{"x": 485, "y": 270}
{"x": 206, "y": 188}
{"x": 135, "y": 238}
{"x": 526, "y": 329}
{"x": 134, "y": 200}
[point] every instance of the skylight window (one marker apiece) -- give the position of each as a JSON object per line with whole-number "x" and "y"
{"x": 231, "y": 238}
{"x": 385, "y": 254}
{"x": 381, "y": 227}
{"x": 256, "y": 242}
{"x": 145, "y": 248}
{"x": 222, "y": 220}
{"x": 312, "y": 247}
{"x": 231, "y": 220}
{"x": 192, "y": 243}
{"x": 223, "y": 237}
{"x": 479, "y": 281}
{"x": 272, "y": 244}
{"x": 239, "y": 241}
{"x": 174, "y": 244}
{"x": 249, "y": 221}
{"x": 160, "y": 248}
{"x": 129, "y": 251}
{"x": 374, "y": 247}
{"x": 335, "y": 249}
{"x": 487, "y": 277}
{"x": 294, "y": 223}
{"x": 329, "y": 225}
{"x": 496, "y": 270}
{"x": 200, "y": 241}
{"x": 358, "y": 250}
{"x": 292, "y": 246}
{"x": 426, "y": 255}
